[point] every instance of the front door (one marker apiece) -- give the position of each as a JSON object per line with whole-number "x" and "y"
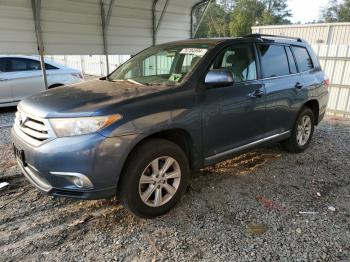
{"x": 234, "y": 115}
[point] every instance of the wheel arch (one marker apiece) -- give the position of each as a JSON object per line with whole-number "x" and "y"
{"x": 179, "y": 136}
{"x": 315, "y": 108}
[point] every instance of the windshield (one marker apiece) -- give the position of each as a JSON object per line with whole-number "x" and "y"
{"x": 161, "y": 65}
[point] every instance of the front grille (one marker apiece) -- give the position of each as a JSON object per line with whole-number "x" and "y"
{"x": 32, "y": 126}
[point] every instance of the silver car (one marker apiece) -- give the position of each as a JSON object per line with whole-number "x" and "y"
{"x": 20, "y": 76}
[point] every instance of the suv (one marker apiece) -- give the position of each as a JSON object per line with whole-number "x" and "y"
{"x": 170, "y": 109}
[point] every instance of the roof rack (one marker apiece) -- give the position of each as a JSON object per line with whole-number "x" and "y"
{"x": 275, "y": 36}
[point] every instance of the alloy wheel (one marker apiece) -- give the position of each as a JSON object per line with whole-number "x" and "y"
{"x": 304, "y": 130}
{"x": 159, "y": 181}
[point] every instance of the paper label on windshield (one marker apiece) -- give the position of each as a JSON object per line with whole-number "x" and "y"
{"x": 194, "y": 51}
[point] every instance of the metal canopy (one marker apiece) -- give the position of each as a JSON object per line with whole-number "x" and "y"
{"x": 98, "y": 27}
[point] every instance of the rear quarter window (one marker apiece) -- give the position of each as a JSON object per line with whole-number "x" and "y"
{"x": 303, "y": 58}
{"x": 49, "y": 67}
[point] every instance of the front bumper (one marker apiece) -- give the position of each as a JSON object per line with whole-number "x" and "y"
{"x": 98, "y": 158}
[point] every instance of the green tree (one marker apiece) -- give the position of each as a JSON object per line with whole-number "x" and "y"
{"x": 236, "y": 17}
{"x": 336, "y": 11}
{"x": 215, "y": 22}
{"x": 247, "y": 13}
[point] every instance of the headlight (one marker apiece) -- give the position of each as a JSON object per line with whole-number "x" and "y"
{"x": 81, "y": 125}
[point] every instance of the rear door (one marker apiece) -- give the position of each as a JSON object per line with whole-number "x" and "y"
{"x": 5, "y": 90}
{"x": 233, "y": 115}
{"x": 24, "y": 77}
{"x": 283, "y": 86}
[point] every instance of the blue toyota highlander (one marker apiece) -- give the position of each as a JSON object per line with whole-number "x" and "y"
{"x": 170, "y": 109}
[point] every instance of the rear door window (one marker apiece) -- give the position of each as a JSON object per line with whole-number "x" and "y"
{"x": 274, "y": 60}
{"x": 303, "y": 58}
{"x": 33, "y": 64}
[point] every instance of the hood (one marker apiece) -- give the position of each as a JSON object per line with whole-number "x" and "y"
{"x": 84, "y": 99}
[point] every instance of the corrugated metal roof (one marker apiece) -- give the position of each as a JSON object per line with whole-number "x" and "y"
{"x": 74, "y": 27}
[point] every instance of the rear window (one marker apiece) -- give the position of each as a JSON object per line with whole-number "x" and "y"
{"x": 273, "y": 60}
{"x": 303, "y": 58}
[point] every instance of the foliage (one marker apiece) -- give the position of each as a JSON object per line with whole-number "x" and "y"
{"x": 236, "y": 17}
{"x": 336, "y": 11}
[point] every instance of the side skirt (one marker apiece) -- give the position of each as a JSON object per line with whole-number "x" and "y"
{"x": 226, "y": 154}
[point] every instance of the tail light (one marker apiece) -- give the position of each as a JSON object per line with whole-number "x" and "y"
{"x": 326, "y": 81}
{"x": 79, "y": 75}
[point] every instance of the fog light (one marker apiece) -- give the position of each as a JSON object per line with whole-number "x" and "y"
{"x": 77, "y": 179}
{"x": 78, "y": 182}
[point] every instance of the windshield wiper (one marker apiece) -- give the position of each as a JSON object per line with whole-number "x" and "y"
{"x": 128, "y": 80}
{"x": 134, "y": 82}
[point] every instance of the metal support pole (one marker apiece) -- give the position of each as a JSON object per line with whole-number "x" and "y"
{"x": 156, "y": 24}
{"x": 36, "y": 8}
{"x": 105, "y": 23}
{"x": 201, "y": 19}
{"x": 193, "y": 10}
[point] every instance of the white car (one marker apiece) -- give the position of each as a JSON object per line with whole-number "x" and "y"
{"x": 20, "y": 76}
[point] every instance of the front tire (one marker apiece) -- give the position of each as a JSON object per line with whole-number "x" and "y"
{"x": 302, "y": 132}
{"x": 154, "y": 178}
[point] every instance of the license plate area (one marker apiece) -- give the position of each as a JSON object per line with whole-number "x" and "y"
{"x": 19, "y": 154}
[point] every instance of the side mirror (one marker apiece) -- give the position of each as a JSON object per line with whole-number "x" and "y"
{"x": 218, "y": 78}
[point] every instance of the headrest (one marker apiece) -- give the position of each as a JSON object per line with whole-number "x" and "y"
{"x": 230, "y": 59}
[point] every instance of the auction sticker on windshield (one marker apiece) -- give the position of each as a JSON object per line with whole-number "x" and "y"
{"x": 194, "y": 51}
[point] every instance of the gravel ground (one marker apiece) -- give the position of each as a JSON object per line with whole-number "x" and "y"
{"x": 244, "y": 209}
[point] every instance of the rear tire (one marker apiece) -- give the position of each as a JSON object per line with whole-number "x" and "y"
{"x": 302, "y": 132}
{"x": 154, "y": 178}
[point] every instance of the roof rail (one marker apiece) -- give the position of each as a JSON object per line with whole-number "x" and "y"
{"x": 275, "y": 36}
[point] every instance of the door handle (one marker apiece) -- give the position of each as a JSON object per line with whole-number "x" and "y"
{"x": 298, "y": 85}
{"x": 257, "y": 93}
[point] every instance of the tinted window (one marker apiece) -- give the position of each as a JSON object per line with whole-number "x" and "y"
{"x": 49, "y": 67}
{"x": 303, "y": 58}
{"x": 3, "y": 67}
{"x": 273, "y": 60}
{"x": 17, "y": 64}
{"x": 24, "y": 64}
{"x": 292, "y": 66}
{"x": 240, "y": 60}
{"x": 33, "y": 64}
